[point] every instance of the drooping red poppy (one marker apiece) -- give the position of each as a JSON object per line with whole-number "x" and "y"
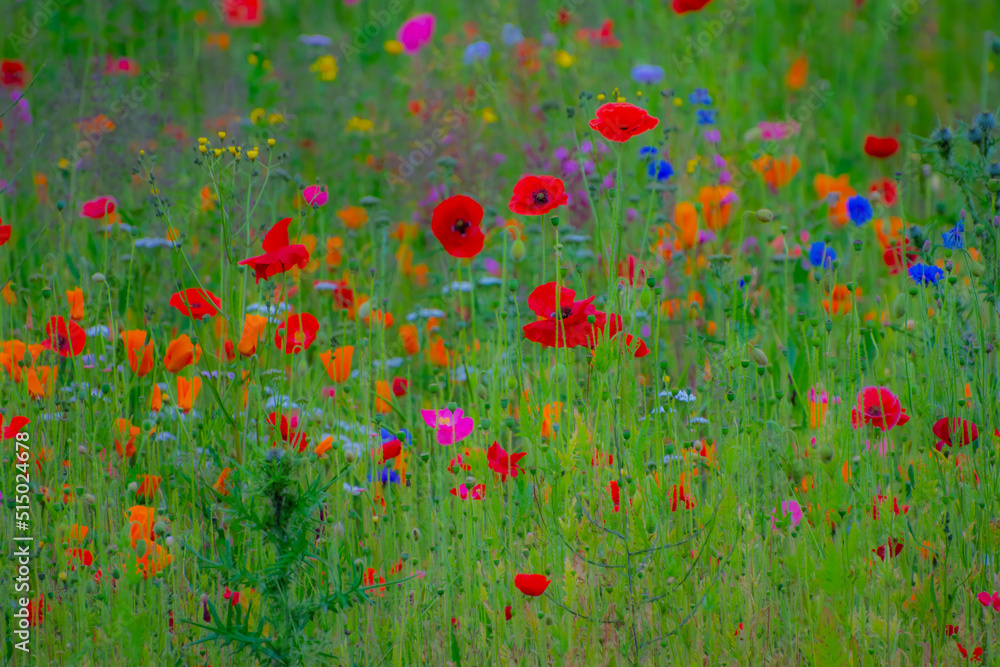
{"x": 98, "y": 209}
{"x": 620, "y": 121}
{"x": 279, "y": 255}
{"x": 946, "y": 429}
{"x": 881, "y": 147}
{"x": 532, "y": 585}
{"x": 685, "y": 6}
{"x": 14, "y": 427}
{"x": 66, "y": 339}
{"x": 537, "y": 195}
{"x": 400, "y": 387}
{"x": 4, "y": 233}
{"x": 878, "y": 407}
{"x": 899, "y": 256}
{"x": 289, "y": 433}
{"x": 196, "y": 302}
{"x": 455, "y": 224}
{"x": 240, "y": 13}
{"x": 507, "y": 614}
{"x": 887, "y": 190}
{"x": 296, "y": 333}
{"x": 635, "y": 345}
{"x": 895, "y": 548}
{"x": 564, "y": 320}
{"x": 13, "y": 73}
{"x": 503, "y": 463}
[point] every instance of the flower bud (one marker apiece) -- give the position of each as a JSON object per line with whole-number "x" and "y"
{"x": 899, "y": 306}
{"x": 518, "y": 251}
{"x": 765, "y": 215}
{"x": 759, "y": 356}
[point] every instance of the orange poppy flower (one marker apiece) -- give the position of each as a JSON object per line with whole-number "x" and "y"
{"x": 670, "y": 308}
{"x": 334, "y": 245}
{"x": 153, "y": 561}
{"x": 686, "y": 221}
{"x": 148, "y": 486}
{"x": 715, "y": 205}
{"x": 140, "y": 354}
{"x": 795, "y": 79}
{"x": 325, "y": 445}
{"x": 383, "y": 394}
{"x": 550, "y": 413}
{"x": 419, "y": 275}
{"x": 8, "y": 295}
{"x": 826, "y": 186}
{"x": 839, "y": 302}
{"x": 77, "y": 533}
{"x": 411, "y": 342}
{"x": 377, "y": 316}
{"x": 124, "y": 429}
{"x": 338, "y": 362}
{"x": 208, "y": 199}
{"x": 221, "y": 484}
{"x": 777, "y": 173}
{"x": 253, "y": 330}
{"x": 75, "y": 298}
{"x": 141, "y": 520}
{"x": 41, "y": 380}
{"x": 156, "y": 399}
{"x": 354, "y": 217}
{"x": 187, "y": 392}
{"x": 437, "y": 353}
{"x": 891, "y": 236}
{"x": 181, "y": 352}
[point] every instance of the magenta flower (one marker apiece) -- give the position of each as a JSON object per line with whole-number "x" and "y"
{"x": 792, "y": 508}
{"x": 990, "y": 601}
{"x": 478, "y": 492}
{"x": 416, "y": 33}
{"x": 315, "y": 195}
{"x": 449, "y": 427}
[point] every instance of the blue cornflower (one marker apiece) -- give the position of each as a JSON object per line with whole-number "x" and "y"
{"x": 821, "y": 255}
{"x": 953, "y": 238}
{"x": 647, "y": 74}
{"x": 661, "y": 170}
{"x": 706, "y": 117}
{"x": 389, "y": 436}
{"x": 923, "y": 274}
{"x": 511, "y": 34}
{"x": 859, "y": 209}
{"x": 475, "y": 52}
{"x": 386, "y": 476}
{"x": 700, "y": 96}
{"x": 648, "y": 152}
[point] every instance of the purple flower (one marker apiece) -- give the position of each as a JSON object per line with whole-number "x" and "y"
{"x": 647, "y": 74}
{"x": 713, "y": 136}
{"x": 560, "y": 153}
{"x": 475, "y": 52}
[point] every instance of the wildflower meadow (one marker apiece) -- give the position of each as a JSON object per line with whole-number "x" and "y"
{"x": 504, "y": 332}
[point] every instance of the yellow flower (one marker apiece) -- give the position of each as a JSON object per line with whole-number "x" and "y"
{"x": 911, "y": 100}
{"x": 489, "y": 115}
{"x": 356, "y": 124}
{"x": 325, "y": 67}
{"x": 252, "y": 59}
{"x": 564, "y": 59}
{"x": 692, "y": 163}
{"x": 600, "y": 97}
{"x": 63, "y": 163}
{"x": 393, "y": 47}
{"x": 678, "y": 102}
{"x": 275, "y": 118}
{"x": 257, "y": 115}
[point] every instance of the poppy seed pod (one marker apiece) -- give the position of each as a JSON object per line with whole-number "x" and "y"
{"x": 759, "y": 356}
{"x": 518, "y": 251}
{"x": 899, "y": 306}
{"x": 98, "y": 278}
{"x": 765, "y": 215}
{"x": 825, "y": 452}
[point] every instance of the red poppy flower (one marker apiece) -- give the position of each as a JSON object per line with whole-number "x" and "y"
{"x": 301, "y": 330}
{"x": 240, "y": 13}
{"x": 4, "y": 233}
{"x": 503, "y": 463}
{"x": 279, "y": 256}
{"x": 571, "y": 329}
{"x": 400, "y": 387}
{"x": 878, "y": 407}
{"x": 196, "y": 302}
{"x": 604, "y": 36}
{"x": 507, "y": 613}
{"x": 977, "y": 653}
{"x": 390, "y": 450}
{"x": 946, "y": 428}
{"x": 990, "y": 601}
{"x": 286, "y": 427}
{"x": 455, "y": 224}
{"x": 633, "y": 344}
{"x": 67, "y": 340}
{"x": 371, "y": 578}
{"x": 16, "y": 424}
{"x": 615, "y": 494}
{"x": 532, "y": 584}
{"x": 13, "y": 73}
{"x": 881, "y": 147}
{"x": 620, "y": 121}
{"x": 894, "y": 549}
{"x": 343, "y": 295}
{"x": 537, "y": 195}
{"x": 98, "y": 209}
{"x": 899, "y": 256}
{"x": 886, "y": 188}
{"x": 685, "y": 6}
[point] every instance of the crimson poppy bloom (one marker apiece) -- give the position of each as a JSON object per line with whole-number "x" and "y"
{"x": 390, "y": 450}
{"x": 400, "y": 387}
{"x": 15, "y": 425}
{"x": 878, "y": 407}
{"x": 279, "y": 255}
{"x": 67, "y": 340}
{"x": 895, "y": 548}
{"x": 564, "y": 321}
{"x": 881, "y": 147}
{"x": 455, "y": 224}
{"x": 240, "y": 13}
{"x": 615, "y": 494}
{"x": 301, "y": 332}
{"x": 685, "y": 6}
{"x": 537, "y": 195}
{"x": 899, "y": 256}
{"x": 196, "y": 302}
{"x": 343, "y": 295}
{"x": 507, "y": 613}
{"x": 287, "y": 428}
{"x": 4, "y": 233}
{"x": 977, "y": 653}
{"x": 532, "y": 585}
{"x": 886, "y": 188}
{"x": 620, "y": 121}
{"x": 98, "y": 209}
{"x": 503, "y": 463}
{"x": 635, "y": 345}
{"x": 13, "y": 73}
{"x": 990, "y": 601}
{"x": 946, "y": 428}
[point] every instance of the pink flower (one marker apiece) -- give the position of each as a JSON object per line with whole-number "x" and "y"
{"x": 449, "y": 427}
{"x": 416, "y": 33}
{"x": 96, "y": 209}
{"x": 792, "y": 508}
{"x": 989, "y": 601}
{"x": 315, "y": 195}
{"x": 478, "y": 492}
